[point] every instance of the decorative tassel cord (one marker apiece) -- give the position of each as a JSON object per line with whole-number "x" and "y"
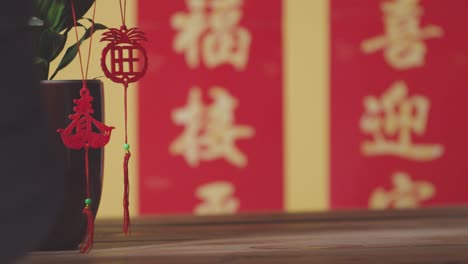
{"x": 126, "y": 204}
{"x": 87, "y": 244}
{"x": 126, "y": 195}
{"x": 123, "y": 10}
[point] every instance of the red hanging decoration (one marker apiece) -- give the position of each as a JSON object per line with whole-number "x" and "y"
{"x": 80, "y": 132}
{"x": 87, "y": 244}
{"x": 120, "y": 57}
{"x": 85, "y": 132}
{"x": 124, "y": 61}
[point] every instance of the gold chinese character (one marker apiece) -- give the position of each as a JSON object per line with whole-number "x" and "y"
{"x": 210, "y": 32}
{"x": 391, "y": 120}
{"x": 191, "y": 117}
{"x": 403, "y": 42}
{"x": 226, "y": 42}
{"x": 406, "y": 193}
{"x": 217, "y": 198}
{"x": 210, "y": 131}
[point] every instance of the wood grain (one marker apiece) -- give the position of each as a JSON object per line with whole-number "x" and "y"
{"x": 438, "y": 235}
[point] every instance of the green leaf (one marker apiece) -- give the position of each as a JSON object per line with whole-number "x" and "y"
{"x": 72, "y": 51}
{"x": 35, "y": 22}
{"x": 57, "y": 14}
{"x": 51, "y": 12}
{"x": 39, "y": 60}
{"x": 50, "y": 18}
{"x": 81, "y": 8}
{"x": 41, "y": 67}
{"x": 51, "y": 44}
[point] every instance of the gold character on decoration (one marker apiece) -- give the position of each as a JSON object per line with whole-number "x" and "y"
{"x": 217, "y": 198}
{"x": 210, "y": 131}
{"x": 405, "y": 193}
{"x": 391, "y": 120}
{"x": 210, "y": 32}
{"x": 403, "y": 41}
{"x": 191, "y": 117}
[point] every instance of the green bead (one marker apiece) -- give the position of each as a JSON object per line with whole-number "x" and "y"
{"x": 126, "y": 146}
{"x": 88, "y": 201}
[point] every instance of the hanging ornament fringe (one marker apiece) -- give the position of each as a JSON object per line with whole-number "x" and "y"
{"x": 85, "y": 132}
{"x": 124, "y": 61}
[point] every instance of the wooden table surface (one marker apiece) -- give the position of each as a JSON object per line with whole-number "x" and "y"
{"x": 414, "y": 236}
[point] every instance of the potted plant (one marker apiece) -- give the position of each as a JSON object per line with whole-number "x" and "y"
{"x": 51, "y": 26}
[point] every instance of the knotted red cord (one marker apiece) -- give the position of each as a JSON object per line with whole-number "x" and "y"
{"x": 82, "y": 122}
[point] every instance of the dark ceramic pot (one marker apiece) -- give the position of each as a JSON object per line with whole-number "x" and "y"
{"x": 57, "y": 100}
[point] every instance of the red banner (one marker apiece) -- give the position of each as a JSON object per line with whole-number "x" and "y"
{"x": 399, "y": 101}
{"x": 210, "y": 108}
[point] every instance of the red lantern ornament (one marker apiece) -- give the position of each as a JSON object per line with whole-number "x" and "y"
{"x": 124, "y": 61}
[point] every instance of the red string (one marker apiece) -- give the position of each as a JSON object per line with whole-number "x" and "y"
{"x": 90, "y": 41}
{"x": 126, "y": 204}
{"x": 77, "y": 42}
{"x": 125, "y": 112}
{"x": 87, "y": 243}
{"x": 84, "y": 74}
{"x": 123, "y": 10}
{"x": 88, "y": 192}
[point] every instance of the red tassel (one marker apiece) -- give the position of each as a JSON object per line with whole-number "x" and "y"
{"x": 87, "y": 244}
{"x": 80, "y": 133}
{"x": 126, "y": 204}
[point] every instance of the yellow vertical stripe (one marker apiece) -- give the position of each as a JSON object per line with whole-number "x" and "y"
{"x": 306, "y": 58}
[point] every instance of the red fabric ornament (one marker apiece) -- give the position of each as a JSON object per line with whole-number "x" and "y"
{"x": 87, "y": 244}
{"x": 120, "y": 62}
{"x": 84, "y": 131}
{"x": 80, "y": 132}
{"x": 120, "y": 57}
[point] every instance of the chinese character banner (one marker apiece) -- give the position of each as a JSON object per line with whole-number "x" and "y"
{"x": 399, "y": 100}
{"x": 210, "y": 107}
